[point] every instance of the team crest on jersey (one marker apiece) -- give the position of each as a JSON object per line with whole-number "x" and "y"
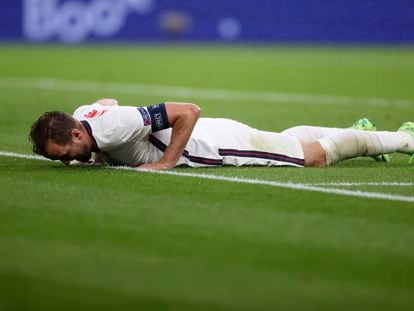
{"x": 145, "y": 116}
{"x": 94, "y": 113}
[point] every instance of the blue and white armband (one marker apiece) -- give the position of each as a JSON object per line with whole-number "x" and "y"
{"x": 156, "y": 115}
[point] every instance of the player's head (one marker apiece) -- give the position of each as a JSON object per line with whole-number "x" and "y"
{"x": 58, "y": 136}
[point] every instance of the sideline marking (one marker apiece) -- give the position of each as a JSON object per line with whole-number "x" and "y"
{"x": 289, "y": 185}
{"x": 22, "y": 156}
{"x": 350, "y": 184}
{"x": 197, "y": 93}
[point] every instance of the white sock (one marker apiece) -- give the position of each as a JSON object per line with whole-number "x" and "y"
{"x": 349, "y": 144}
{"x": 311, "y": 133}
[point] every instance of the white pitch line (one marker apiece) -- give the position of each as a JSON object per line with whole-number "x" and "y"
{"x": 350, "y": 184}
{"x": 194, "y": 93}
{"x": 289, "y": 185}
{"x": 22, "y": 156}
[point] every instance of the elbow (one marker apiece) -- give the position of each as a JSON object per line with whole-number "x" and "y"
{"x": 107, "y": 102}
{"x": 194, "y": 110}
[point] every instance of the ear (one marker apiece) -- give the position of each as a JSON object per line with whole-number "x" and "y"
{"x": 76, "y": 134}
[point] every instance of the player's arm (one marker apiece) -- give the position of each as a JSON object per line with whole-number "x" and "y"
{"x": 182, "y": 117}
{"x": 107, "y": 102}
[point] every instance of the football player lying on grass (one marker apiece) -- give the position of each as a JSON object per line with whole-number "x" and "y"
{"x": 172, "y": 134}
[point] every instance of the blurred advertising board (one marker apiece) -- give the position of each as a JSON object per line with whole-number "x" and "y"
{"x": 76, "y": 21}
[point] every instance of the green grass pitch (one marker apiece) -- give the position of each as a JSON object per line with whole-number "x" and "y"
{"x": 100, "y": 239}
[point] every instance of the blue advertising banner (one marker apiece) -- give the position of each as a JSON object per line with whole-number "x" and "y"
{"x": 74, "y": 21}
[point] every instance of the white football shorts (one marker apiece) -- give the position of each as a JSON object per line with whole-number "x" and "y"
{"x": 216, "y": 142}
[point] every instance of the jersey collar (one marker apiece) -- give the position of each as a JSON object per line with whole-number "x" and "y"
{"x": 89, "y": 130}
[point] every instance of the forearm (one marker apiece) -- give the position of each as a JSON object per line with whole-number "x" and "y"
{"x": 181, "y": 133}
{"x": 182, "y": 117}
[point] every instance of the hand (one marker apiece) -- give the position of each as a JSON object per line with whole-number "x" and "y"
{"x": 157, "y": 166}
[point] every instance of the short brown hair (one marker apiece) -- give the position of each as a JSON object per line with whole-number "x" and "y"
{"x": 54, "y": 125}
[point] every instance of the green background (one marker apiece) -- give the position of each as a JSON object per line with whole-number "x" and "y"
{"x": 95, "y": 238}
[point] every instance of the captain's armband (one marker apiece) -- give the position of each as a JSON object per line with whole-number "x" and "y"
{"x": 157, "y": 115}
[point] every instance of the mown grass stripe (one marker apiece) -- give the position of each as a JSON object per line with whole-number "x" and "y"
{"x": 288, "y": 185}
{"x": 196, "y": 93}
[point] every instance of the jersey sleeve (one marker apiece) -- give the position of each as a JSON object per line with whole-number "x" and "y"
{"x": 129, "y": 124}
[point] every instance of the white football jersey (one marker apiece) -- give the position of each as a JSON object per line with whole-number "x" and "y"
{"x": 131, "y": 136}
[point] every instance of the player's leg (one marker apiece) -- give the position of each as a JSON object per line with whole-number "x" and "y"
{"x": 314, "y": 154}
{"x": 312, "y": 133}
{"x": 349, "y": 144}
{"x": 307, "y": 133}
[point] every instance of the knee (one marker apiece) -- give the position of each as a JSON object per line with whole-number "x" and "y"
{"x": 314, "y": 154}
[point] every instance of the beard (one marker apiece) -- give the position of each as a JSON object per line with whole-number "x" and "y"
{"x": 84, "y": 157}
{"x": 85, "y": 154}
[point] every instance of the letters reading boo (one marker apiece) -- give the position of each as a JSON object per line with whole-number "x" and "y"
{"x": 74, "y": 21}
